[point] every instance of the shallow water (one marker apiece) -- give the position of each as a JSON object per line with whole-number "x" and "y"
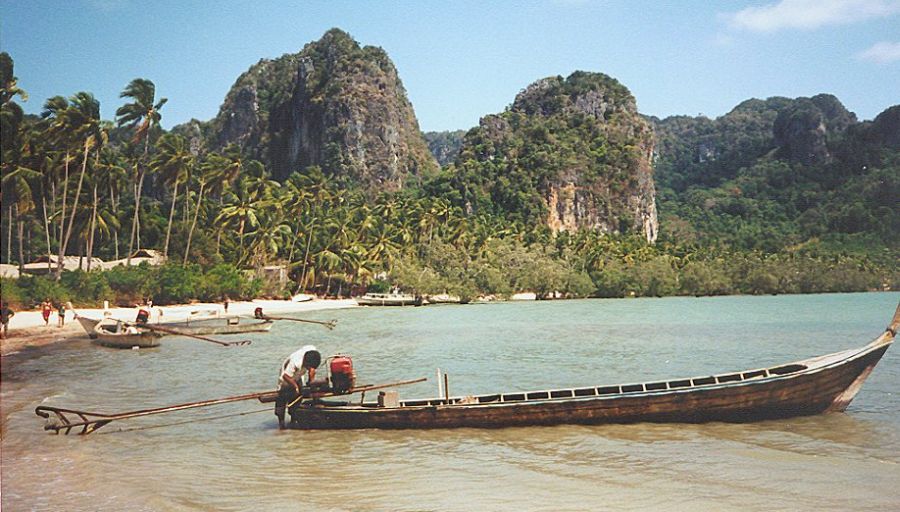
{"x": 236, "y": 459}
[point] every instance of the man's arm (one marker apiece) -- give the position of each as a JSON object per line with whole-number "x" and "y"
{"x": 293, "y": 382}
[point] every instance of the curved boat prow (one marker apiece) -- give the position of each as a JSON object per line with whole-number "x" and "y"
{"x": 895, "y": 323}
{"x": 873, "y": 352}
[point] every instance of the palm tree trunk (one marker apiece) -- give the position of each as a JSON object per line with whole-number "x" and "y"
{"x": 241, "y": 239}
{"x": 46, "y": 226}
{"x": 115, "y": 206}
{"x": 9, "y": 237}
{"x": 59, "y": 265}
{"x": 134, "y": 217}
{"x": 90, "y": 249}
{"x": 306, "y": 256}
{"x": 20, "y": 232}
{"x": 171, "y": 216}
{"x": 187, "y": 248}
{"x": 62, "y": 217}
{"x": 219, "y": 231}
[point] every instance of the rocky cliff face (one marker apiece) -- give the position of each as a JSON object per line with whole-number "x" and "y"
{"x": 802, "y": 130}
{"x": 334, "y": 104}
{"x": 572, "y": 153}
{"x": 445, "y": 146}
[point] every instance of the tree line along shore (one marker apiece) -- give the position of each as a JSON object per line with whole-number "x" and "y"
{"x": 74, "y": 184}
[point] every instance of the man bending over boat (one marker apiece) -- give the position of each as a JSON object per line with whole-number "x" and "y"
{"x": 298, "y": 369}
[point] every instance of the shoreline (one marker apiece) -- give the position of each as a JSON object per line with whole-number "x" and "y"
{"x": 27, "y": 329}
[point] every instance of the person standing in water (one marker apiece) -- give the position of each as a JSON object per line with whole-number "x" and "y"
{"x": 297, "y": 370}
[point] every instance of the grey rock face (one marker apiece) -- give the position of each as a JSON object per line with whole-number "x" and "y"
{"x": 335, "y": 105}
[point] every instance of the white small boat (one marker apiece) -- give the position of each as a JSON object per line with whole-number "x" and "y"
{"x": 388, "y": 299}
{"x": 116, "y": 334}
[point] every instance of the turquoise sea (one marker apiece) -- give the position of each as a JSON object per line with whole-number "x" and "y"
{"x": 236, "y": 459}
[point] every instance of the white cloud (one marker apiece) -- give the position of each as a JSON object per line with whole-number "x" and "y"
{"x": 884, "y": 52}
{"x": 809, "y": 14}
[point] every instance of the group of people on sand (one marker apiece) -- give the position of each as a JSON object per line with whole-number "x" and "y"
{"x": 6, "y": 314}
{"x": 47, "y": 309}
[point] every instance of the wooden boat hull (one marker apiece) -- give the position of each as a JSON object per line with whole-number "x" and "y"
{"x": 223, "y": 325}
{"x": 389, "y": 301}
{"x": 813, "y": 386}
{"x": 127, "y": 341}
{"x": 217, "y": 326}
{"x": 88, "y": 324}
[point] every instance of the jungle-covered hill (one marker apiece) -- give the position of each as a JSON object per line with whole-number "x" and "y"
{"x": 315, "y": 162}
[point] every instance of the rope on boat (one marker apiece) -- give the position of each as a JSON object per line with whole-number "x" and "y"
{"x": 185, "y": 422}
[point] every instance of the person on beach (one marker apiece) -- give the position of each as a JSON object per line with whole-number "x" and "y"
{"x": 61, "y": 313}
{"x": 46, "y": 309}
{"x": 5, "y": 314}
{"x": 225, "y": 304}
{"x": 143, "y": 315}
{"x": 298, "y": 369}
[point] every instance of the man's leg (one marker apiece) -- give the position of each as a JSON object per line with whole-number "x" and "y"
{"x": 286, "y": 395}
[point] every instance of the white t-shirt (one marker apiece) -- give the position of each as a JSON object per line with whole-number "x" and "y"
{"x": 293, "y": 366}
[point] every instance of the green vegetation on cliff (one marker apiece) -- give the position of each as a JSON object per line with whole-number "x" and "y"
{"x": 568, "y": 153}
{"x": 773, "y": 174}
{"x": 555, "y": 195}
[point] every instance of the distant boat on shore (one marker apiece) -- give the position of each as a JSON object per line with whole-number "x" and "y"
{"x": 192, "y": 327}
{"x": 388, "y": 299}
{"x": 116, "y": 334}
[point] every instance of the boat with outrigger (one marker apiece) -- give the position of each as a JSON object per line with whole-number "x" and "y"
{"x": 196, "y": 324}
{"x": 116, "y": 334}
{"x": 811, "y": 386}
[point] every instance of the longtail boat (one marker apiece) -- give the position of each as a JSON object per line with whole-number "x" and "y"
{"x": 812, "y": 386}
{"x": 115, "y": 334}
{"x": 388, "y": 299}
{"x": 204, "y": 326}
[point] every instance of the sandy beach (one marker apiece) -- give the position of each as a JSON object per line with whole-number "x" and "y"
{"x": 27, "y": 329}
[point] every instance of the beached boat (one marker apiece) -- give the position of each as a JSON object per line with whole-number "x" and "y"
{"x": 820, "y": 384}
{"x": 115, "y": 334}
{"x": 388, "y": 299}
{"x": 196, "y": 326}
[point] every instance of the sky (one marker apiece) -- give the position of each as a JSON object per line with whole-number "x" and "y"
{"x": 462, "y": 60}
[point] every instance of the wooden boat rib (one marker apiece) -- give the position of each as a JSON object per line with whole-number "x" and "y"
{"x": 811, "y": 386}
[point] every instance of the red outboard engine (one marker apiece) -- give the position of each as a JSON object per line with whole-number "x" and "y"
{"x": 143, "y": 316}
{"x": 343, "y": 378}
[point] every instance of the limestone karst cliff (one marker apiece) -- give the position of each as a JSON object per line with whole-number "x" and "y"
{"x": 572, "y": 153}
{"x": 334, "y": 104}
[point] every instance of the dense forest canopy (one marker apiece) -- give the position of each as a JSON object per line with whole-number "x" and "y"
{"x": 554, "y": 195}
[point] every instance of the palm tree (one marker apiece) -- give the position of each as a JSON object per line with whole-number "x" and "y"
{"x": 84, "y": 120}
{"x": 242, "y": 210}
{"x": 17, "y": 192}
{"x": 210, "y": 173}
{"x": 57, "y": 132}
{"x": 11, "y": 113}
{"x": 174, "y": 161}
{"x": 143, "y": 115}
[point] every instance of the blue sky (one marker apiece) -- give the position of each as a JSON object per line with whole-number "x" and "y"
{"x": 464, "y": 59}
